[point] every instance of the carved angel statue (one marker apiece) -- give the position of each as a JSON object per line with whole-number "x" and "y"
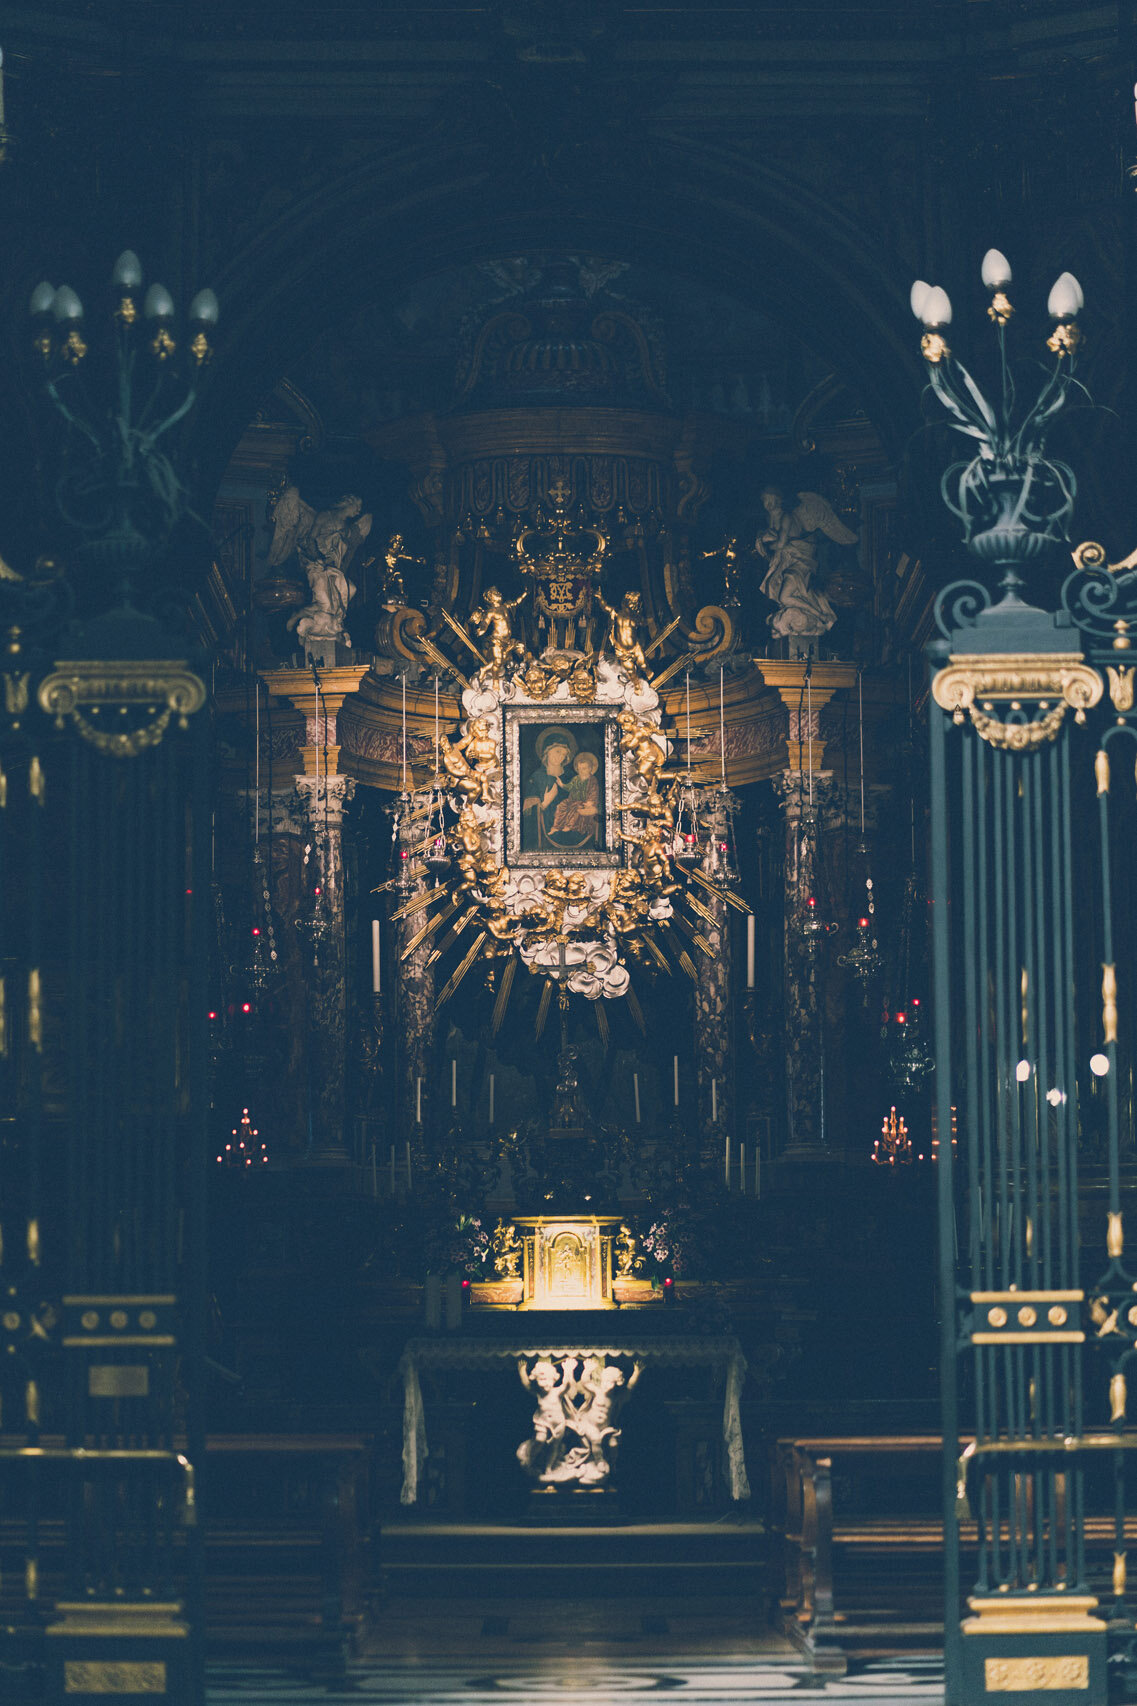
{"x": 804, "y": 613}
{"x": 325, "y": 542}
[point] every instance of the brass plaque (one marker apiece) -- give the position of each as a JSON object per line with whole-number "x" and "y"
{"x": 118, "y": 1380}
{"x": 114, "y": 1676}
{"x": 1024, "y": 1676}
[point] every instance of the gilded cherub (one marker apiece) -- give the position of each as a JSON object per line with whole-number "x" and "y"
{"x": 535, "y": 682}
{"x": 623, "y": 634}
{"x": 479, "y": 745}
{"x": 493, "y": 620}
{"x": 639, "y": 740}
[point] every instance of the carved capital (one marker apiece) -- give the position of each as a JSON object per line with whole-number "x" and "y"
{"x": 324, "y": 798}
{"x": 1017, "y": 700}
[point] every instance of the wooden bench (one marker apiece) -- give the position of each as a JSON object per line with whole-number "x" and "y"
{"x": 861, "y": 1530}
{"x": 285, "y": 1525}
{"x": 868, "y": 1575}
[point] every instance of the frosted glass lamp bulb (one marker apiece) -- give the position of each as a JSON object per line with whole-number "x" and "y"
{"x": 996, "y": 270}
{"x": 937, "y": 308}
{"x": 917, "y": 296}
{"x": 1065, "y": 299}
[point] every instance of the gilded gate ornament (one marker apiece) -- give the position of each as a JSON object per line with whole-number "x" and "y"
{"x": 146, "y": 694}
{"x": 1041, "y": 686}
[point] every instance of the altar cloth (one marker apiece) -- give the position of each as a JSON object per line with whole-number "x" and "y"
{"x": 718, "y": 1351}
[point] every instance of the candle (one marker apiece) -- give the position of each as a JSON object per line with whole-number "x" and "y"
{"x": 375, "y": 976}
{"x": 742, "y": 1168}
{"x": 454, "y": 1083}
{"x": 491, "y": 1098}
{"x": 418, "y": 1101}
{"x": 726, "y": 1162}
{"x": 750, "y": 950}
{"x": 392, "y": 1169}
{"x": 714, "y": 1100}
{"x": 675, "y": 1076}
{"x": 408, "y": 1165}
{"x": 636, "y": 1088}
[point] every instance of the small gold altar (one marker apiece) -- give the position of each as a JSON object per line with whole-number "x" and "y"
{"x": 565, "y": 1262}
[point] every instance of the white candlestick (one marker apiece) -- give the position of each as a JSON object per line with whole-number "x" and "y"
{"x": 675, "y": 1076}
{"x": 453, "y": 1083}
{"x": 714, "y": 1100}
{"x": 636, "y": 1088}
{"x": 408, "y": 1166}
{"x": 392, "y": 1169}
{"x": 491, "y": 1098}
{"x": 726, "y": 1162}
{"x": 418, "y": 1101}
{"x": 750, "y": 950}
{"x": 742, "y": 1168}
{"x": 375, "y": 968}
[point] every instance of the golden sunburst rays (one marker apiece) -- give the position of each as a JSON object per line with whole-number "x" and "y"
{"x": 602, "y": 1025}
{"x": 418, "y": 902}
{"x": 664, "y": 634}
{"x": 720, "y": 894}
{"x": 504, "y": 989}
{"x": 674, "y": 668}
{"x": 430, "y": 650}
{"x": 462, "y": 968}
{"x": 428, "y": 929}
{"x": 543, "y": 1008}
{"x": 636, "y": 1011}
{"x": 452, "y": 935}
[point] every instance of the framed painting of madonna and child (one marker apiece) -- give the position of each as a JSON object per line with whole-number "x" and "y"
{"x": 562, "y": 786}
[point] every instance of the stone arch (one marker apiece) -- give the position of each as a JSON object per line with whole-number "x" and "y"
{"x": 703, "y": 211}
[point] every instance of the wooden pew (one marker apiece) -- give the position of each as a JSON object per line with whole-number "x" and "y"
{"x": 868, "y": 1579}
{"x": 871, "y": 1578}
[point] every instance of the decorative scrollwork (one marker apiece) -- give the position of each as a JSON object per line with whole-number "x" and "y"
{"x": 967, "y": 599}
{"x": 145, "y": 694}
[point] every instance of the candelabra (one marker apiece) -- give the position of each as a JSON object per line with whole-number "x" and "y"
{"x": 119, "y": 491}
{"x": 1012, "y": 500}
{"x": 893, "y": 1148}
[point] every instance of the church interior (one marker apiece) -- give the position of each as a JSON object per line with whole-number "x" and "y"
{"x": 566, "y": 1033}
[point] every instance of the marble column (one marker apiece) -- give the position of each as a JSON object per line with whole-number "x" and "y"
{"x": 714, "y": 1056}
{"x": 809, "y": 815}
{"x": 323, "y": 931}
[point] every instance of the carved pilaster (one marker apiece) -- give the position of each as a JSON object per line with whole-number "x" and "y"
{"x": 322, "y": 927}
{"x": 808, "y": 816}
{"x": 713, "y": 1053}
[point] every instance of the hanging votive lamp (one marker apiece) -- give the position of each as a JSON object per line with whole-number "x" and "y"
{"x": 864, "y": 958}
{"x": 910, "y": 1059}
{"x": 811, "y": 926}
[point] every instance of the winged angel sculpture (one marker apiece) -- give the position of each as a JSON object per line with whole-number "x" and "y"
{"x": 789, "y": 545}
{"x": 325, "y": 542}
